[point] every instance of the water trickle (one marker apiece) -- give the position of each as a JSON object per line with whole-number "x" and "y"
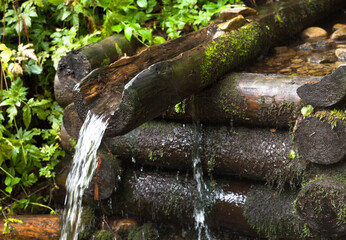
{"x": 80, "y": 175}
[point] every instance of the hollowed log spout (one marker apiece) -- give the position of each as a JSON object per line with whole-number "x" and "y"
{"x": 249, "y": 153}
{"x": 321, "y": 137}
{"x": 245, "y": 98}
{"x": 240, "y": 206}
{"x": 136, "y": 89}
{"x": 40, "y": 227}
{"x": 78, "y": 63}
{"x": 327, "y": 92}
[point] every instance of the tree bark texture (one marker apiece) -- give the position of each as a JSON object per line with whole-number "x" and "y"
{"x": 249, "y": 153}
{"x": 34, "y": 227}
{"x": 240, "y": 206}
{"x": 327, "y": 92}
{"x": 78, "y": 63}
{"x": 62, "y": 93}
{"x": 245, "y": 98}
{"x": 134, "y": 90}
{"x": 322, "y": 141}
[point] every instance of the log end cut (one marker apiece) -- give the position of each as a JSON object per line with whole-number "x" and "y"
{"x": 319, "y": 142}
{"x": 327, "y": 92}
{"x": 322, "y": 205}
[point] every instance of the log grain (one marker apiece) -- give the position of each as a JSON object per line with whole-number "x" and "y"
{"x": 330, "y": 90}
{"x": 239, "y": 206}
{"x": 321, "y": 137}
{"x": 33, "y": 227}
{"x": 134, "y": 90}
{"x": 248, "y": 153}
{"x": 251, "y": 99}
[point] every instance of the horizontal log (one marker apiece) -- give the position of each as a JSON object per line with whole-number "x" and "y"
{"x": 327, "y": 92}
{"x": 239, "y": 206}
{"x": 245, "y": 98}
{"x": 76, "y": 64}
{"x": 33, "y": 227}
{"x": 134, "y": 90}
{"x": 321, "y": 137}
{"x": 62, "y": 93}
{"x": 249, "y": 153}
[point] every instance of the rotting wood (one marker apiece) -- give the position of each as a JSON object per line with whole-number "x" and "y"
{"x": 321, "y": 138}
{"x": 135, "y": 90}
{"x": 330, "y": 90}
{"x": 245, "y": 98}
{"x": 33, "y": 227}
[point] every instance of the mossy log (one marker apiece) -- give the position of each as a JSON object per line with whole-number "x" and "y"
{"x": 237, "y": 205}
{"x": 322, "y": 204}
{"x": 321, "y": 137}
{"x": 249, "y": 153}
{"x": 78, "y": 63}
{"x": 136, "y": 89}
{"x": 38, "y": 227}
{"x": 327, "y": 92}
{"x": 245, "y": 98}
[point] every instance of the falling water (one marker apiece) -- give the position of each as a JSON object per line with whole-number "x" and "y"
{"x": 202, "y": 189}
{"x": 84, "y": 164}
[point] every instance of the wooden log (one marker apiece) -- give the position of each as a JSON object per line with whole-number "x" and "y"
{"x": 38, "y": 227}
{"x": 245, "y": 98}
{"x": 134, "y": 90}
{"x": 327, "y": 92}
{"x": 248, "y": 153}
{"x": 62, "y": 93}
{"x": 321, "y": 137}
{"x": 236, "y": 205}
{"x": 78, "y": 63}
{"x": 322, "y": 204}
{"x": 71, "y": 121}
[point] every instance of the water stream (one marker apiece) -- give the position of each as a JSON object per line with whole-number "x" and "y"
{"x": 202, "y": 189}
{"x": 81, "y": 172}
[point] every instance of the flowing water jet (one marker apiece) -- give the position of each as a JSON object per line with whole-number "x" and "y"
{"x": 80, "y": 175}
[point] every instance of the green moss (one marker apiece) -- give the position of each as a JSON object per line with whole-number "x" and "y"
{"x": 88, "y": 220}
{"x": 103, "y": 235}
{"x": 144, "y": 232}
{"x": 231, "y": 50}
{"x": 179, "y": 107}
{"x": 331, "y": 116}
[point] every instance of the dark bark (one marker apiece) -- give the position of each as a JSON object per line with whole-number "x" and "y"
{"x": 250, "y": 153}
{"x": 245, "y": 98}
{"x": 327, "y": 92}
{"x": 322, "y": 204}
{"x": 78, "y": 63}
{"x": 134, "y": 90}
{"x": 320, "y": 141}
{"x": 239, "y": 206}
{"x": 62, "y": 93}
{"x": 71, "y": 121}
{"x": 34, "y": 227}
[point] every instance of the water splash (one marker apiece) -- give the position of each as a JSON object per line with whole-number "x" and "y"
{"x": 80, "y": 175}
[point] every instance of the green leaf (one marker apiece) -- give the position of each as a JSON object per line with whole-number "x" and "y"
{"x": 307, "y": 110}
{"x": 8, "y": 181}
{"x": 8, "y": 189}
{"x": 27, "y": 116}
{"x": 142, "y": 3}
{"x": 146, "y": 34}
{"x": 128, "y": 33}
{"x": 158, "y": 40}
{"x": 117, "y": 28}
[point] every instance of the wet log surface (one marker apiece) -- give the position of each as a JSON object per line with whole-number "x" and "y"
{"x": 245, "y": 98}
{"x": 327, "y": 92}
{"x": 33, "y": 227}
{"x": 78, "y": 63}
{"x": 320, "y": 141}
{"x": 249, "y": 153}
{"x": 240, "y": 206}
{"x": 322, "y": 203}
{"x": 135, "y": 90}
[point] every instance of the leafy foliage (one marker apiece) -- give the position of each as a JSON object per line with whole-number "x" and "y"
{"x": 34, "y": 35}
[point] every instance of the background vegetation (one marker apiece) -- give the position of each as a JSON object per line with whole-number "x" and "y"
{"x": 35, "y": 34}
